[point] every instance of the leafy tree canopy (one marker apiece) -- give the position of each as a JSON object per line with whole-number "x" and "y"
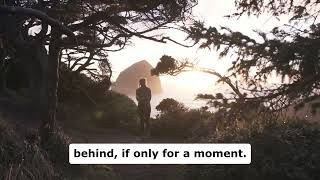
{"x": 95, "y": 27}
{"x": 40, "y": 34}
{"x": 291, "y": 51}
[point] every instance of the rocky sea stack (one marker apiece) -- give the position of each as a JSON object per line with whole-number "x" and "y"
{"x": 127, "y": 81}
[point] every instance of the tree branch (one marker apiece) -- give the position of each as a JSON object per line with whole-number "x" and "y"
{"x": 38, "y": 14}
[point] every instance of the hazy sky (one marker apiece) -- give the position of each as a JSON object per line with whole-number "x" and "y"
{"x": 212, "y": 12}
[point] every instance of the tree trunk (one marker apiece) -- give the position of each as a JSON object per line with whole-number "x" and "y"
{"x": 49, "y": 118}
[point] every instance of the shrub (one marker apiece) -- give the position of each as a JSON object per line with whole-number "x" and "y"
{"x": 280, "y": 150}
{"x": 79, "y": 88}
{"x": 21, "y": 160}
{"x": 112, "y": 110}
{"x": 117, "y": 110}
{"x": 25, "y": 159}
{"x": 170, "y": 105}
{"x": 57, "y": 150}
{"x": 175, "y": 120}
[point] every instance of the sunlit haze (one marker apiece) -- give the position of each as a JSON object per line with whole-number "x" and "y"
{"x": 191, "y": 83}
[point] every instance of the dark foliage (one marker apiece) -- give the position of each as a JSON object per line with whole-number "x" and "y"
{"x": 289, "y": 51}
{"x": 110, "y": 110}
{"x": 77, "y": 88}
{"x": 175, "y": 120}
{"x": 170, "y": 105}
{"x": 116, "y": 110}
{"x": 234, "y": 106}
{"x": 78, "y": 33}
{"x": 297, "y": 10}
{"x": 279, "y": 151}
{"x": 21, "y": 160}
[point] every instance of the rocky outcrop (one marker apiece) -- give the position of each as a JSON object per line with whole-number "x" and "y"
{"x": 127, "y": 81}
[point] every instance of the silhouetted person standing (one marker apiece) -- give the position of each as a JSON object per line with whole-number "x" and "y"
{"x": 143, "y": 95}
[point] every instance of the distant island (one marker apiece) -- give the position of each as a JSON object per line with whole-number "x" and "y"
{"x": 127, "y": 81}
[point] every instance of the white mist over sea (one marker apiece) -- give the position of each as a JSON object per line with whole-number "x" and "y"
{"x": 181, "y": 93}
{"x": 188, "y": 101}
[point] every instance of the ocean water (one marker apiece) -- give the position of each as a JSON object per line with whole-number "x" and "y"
{"x": 187, "y": 98}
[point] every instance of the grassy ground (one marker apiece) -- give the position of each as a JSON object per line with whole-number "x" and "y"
{"x": 23, "y": 158}
{"x": 282, "y": 148}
